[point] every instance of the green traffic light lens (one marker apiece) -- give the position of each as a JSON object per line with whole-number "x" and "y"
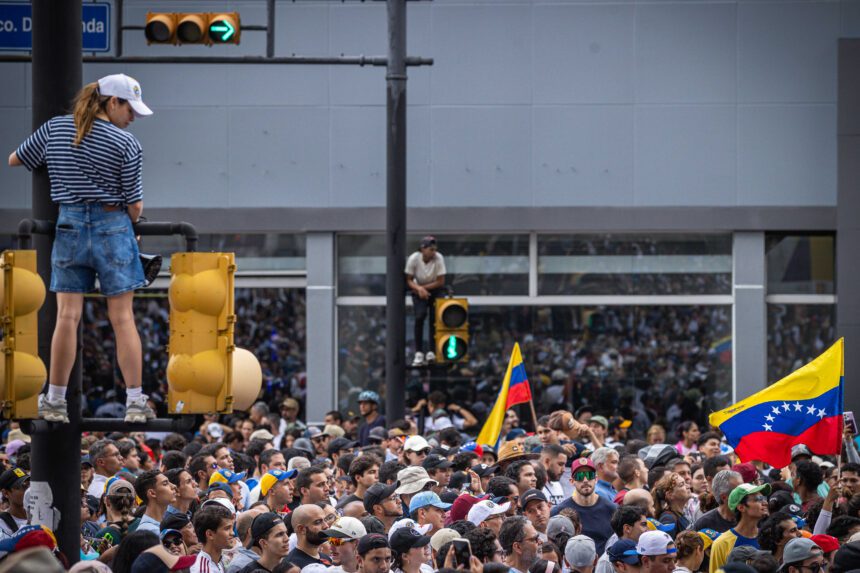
{"x": 454, "y": 348}
{"x": 221, "y": 31}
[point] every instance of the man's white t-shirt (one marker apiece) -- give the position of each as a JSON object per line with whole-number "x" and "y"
{"x": 205, "y": 564}
{"x": 97, "y": 486}
{"x": 425, "y": 273}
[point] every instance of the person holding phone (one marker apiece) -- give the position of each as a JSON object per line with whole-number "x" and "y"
{"x": 95, "y": 168}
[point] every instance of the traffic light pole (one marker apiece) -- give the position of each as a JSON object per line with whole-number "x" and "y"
{"x": 395, "y": 215}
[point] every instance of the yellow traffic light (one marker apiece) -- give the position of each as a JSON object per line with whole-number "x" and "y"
{"x": 22, "y": 292}
{"x": 193, "y": 28}
{"x": 452, "y": 329}
{"x": 201, "y": 332}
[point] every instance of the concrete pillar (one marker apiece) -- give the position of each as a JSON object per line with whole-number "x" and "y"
{"x": 749, "y": 314}
{"x": 320, "y": 313}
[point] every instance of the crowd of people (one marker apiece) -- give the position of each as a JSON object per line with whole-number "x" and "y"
{"x": 588, "y": 492}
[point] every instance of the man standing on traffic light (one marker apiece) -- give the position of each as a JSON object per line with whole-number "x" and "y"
{"x": 425, "y": 277}
{"x": 95, "y": 170}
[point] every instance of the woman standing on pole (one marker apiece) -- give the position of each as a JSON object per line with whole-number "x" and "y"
{"x": 95, "y": 170}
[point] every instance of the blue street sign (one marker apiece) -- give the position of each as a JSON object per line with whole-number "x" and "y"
{"x": 16, "y": 26}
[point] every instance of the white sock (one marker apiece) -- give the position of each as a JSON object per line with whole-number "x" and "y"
{"x": 133, "y": 393}
{"x": 56, "y": 392}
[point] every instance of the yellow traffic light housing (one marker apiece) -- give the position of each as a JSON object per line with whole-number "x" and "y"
{"x": 452, "y": 329}
{"x": 193, "y": 28}
{"x": 22, "y": 292}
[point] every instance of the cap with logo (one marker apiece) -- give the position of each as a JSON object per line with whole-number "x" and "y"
{"x": 173, "y": 522}
{"x": 416, "y": 444}
{"x": 744, "y": 490}
{"x": 827, "y": 543}
{"x": 581, "y": 463}
{"x": 512, "y": 451}
{"x": 348, "y": 528}
{"x": 708, "y": 536}
{"x": 406, "y": 538}
{"x": 225, "y": 476}
{"x": 654, "y": 543}
{"x": 748, "y": 472}
{"x": 436, "y": 462}
{"x": 798, "y": 549}
{"x": 529, "y": 496}
{"x": 271, "y": 477}
{"x": 262, "y": 525}
{"x": 422, "y": 529}
{"x": 220, "y": 486}
{"x": 484, "y": 470}
{"x": 215, "y": 430}
{"x": 560, "y": 524}
{"x": 425, "y": 499}
{"x": 413, "y": 479}
{"x": 472, "y": 447}
{"x": 485, "y": 509}
{"x": 13, "y": 478}
{"x": 580, "y": 551}
{"x": 225, "y": 503}
{"x": 377, "y": 494}
{"x": 127, "y": 88}
{"x": 368, "y": 396}
{"x": 623, "y": 550}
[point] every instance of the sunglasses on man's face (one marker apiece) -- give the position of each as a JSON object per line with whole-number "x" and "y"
{"x": 583, "y": 476}
{"x": 172, "y": 541}
{"x": 337, "y": 542}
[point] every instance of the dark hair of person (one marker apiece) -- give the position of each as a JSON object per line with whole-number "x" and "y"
{"x": 841, "y": 527}
{"x": 145, "y": 482}
{"x": 574, "y": 518}
{"x": 210, "y": 449}
{"x": 174, "y": 442}
{"x": 684, "y": 427}
{"x": 344, "y": 461}
{"x": 305, "y": 478}
{"x": 130, "y": 548}
{"x": 494, "y": 568}
{"x": 234, "y": 436}
{"x": 852, "y": 506}
{"x": 513, "y": 470}
{"x": 440, "y": 556}
{"x": 548, "y": 547}
{"x": 633, "y": 446}
{"x": 540, "y": 476}
{"x": 513, "y": 531}
{"x": 813, "y": 511}
{"x": 389, "y": 470}
{"x": 209, "y": 518}
{"x": 400, "y": 424}
{"x": 174, "y": 474}
{"x": 627, "y": 467}
{"x": 450, "y": 436}
{"x": 285, "y": 567}
{"x": 703, "y": 439}
{"x": 544, "y": 566}
{"x": 173, "y": 459}
{"x": 198, "y": 464}
{"x": 553, "y": 450}
{"x": 483, "y": 542}
{"x": 687, "y": 542}
{"x": 335, "y": 415}
{"x": 764, "y": 562}
{"x": 243, "y": 463}
{"x": 266, "y": 457}
{"x": 192, "y": 449}
{"x": 625, "y": 515}
{"x": 361, "y": 464}
{"x": 463, "y": 461}
{"x": 851, "y": 467}
{"x": 655, "y": 474}
{"x": 462, "y": 526}
{"x": 500, "y": 486}
{"x": 256, "y": 447}
{"x": 711, "y": 466}
{"x": 810, "y": 473}
{"x": 770, "y": 530}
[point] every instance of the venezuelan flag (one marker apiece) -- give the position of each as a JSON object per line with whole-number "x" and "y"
{"x": 515, "y": 390}
{"x": 805, "y": 407}
{"x": 723, "y": 349}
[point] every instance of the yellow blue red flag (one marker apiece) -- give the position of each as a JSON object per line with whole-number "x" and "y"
{"x": 515, "y": 390}
{"x": 805, "y": 407}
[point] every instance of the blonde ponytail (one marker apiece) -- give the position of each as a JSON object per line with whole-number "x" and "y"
{"x": 88, "y": 103}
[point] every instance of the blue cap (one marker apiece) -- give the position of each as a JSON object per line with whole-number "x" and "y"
{"x": 220, "y": 486}
{"x": 226, "y": 476}
{"x": 514, "y": 434}
{"x": 369, "y": 396}
{"x": 623, "y": 550}
{"x": 427, "y": 498}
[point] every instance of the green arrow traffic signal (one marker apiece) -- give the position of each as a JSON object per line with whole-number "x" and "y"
{"x": 221, "y": 31}
{"x": 224, "y": 28}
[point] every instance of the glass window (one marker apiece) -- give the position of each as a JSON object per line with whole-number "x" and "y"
{"x": 669, "y": 361}
{"x": 800, "y": 264}
{"x": 476, "y": 264}
{"x": 254, "y": 252}
{"x": 797, "y": 334}
{"x": 270, "y": 323}
{"x": 634, "y": 264}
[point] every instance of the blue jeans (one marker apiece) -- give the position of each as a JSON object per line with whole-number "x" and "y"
{"x": 91, "y": 242}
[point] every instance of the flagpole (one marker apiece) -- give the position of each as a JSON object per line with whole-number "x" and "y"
{"x": 534, "y": 415}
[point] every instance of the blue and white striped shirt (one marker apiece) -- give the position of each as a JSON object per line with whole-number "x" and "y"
{"x": 106, "y": 167}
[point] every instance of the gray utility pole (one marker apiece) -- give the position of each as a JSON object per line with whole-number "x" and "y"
{"x": 56, "y": 459}
{"x": 395, "y": 213}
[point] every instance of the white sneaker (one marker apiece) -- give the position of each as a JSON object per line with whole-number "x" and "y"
{"x": 430, "y": 357}
{"x": 137, "y": 411}
{"x": 418, "y": 360}
{"x": 53, "y": 410}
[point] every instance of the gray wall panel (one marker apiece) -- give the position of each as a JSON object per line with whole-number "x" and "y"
{"x": 482, "y": 156}
{"x": 483, "y": 54}
{"x": 787, "y": 155}
{"x": 358, "y": 156}
{"x": 16, "y": 80}
{"x": 583, "y": 155}
{"x": 584, "y": 53}
{"x": 685, "y": 155}
{"x": 685, "y": 53}
{"x": 285, "y": 166}
{"x": 787, "y": 51}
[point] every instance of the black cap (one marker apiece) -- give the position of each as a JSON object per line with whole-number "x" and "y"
{"x": 372, "y": 541}
{"x": 531, "y": 495}
{"x": 406, "y": 538}
{"x": 174, "y": 521}
{"x": 372, "y": 524}
{"x": 220, "y": 486}
{"x": 13, "y": 478}
{"x": 339, "y": 444}
{"x": 436, "y": 462}
{"x": 262, "y": 524}
{"x": 377, "y": 493}
{"x": 428, "y": 241}
{"x": 483, "y": 470}
{"x": 847, "y": 557}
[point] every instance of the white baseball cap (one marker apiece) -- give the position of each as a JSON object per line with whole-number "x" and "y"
{"x": 484, "y": 509}
{"x": 422, "y": 529}
{"x": 127, "y": 88}
{"x": 346, "y": 528}
{"x": 416, "y": 444}
{"x": 655, "y": 543}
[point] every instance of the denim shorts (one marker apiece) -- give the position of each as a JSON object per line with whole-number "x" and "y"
{"x": 91, "y": 242}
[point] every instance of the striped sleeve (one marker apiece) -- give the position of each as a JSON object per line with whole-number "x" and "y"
{"x": 132, "y": 173}
{"x": 33, "y": 151}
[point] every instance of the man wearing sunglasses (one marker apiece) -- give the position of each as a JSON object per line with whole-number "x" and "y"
{"x": 749, "y": 503}
{"x": 594, "y": 510}
{"x": 803, "y": 555}
{"x": 343, "y": 538}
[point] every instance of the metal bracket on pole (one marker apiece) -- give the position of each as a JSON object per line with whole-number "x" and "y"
{"x": 29, "y": 227}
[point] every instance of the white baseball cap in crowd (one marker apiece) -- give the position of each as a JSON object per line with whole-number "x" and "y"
{"x": 348, "y": 528}
{"x": 422, "y": 529}
{"x": 484, "y": 509}
{"x": 655, "y": 543}
{"x": 416, "y": 444}
{"x": 127, "y": 88}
